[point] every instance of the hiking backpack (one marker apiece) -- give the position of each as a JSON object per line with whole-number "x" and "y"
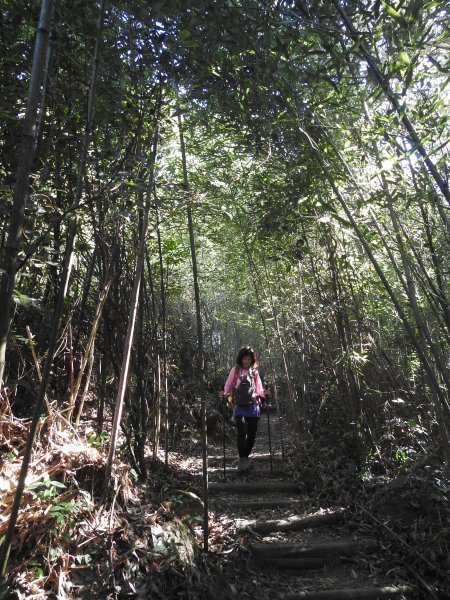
{"x": 244, "y": 393}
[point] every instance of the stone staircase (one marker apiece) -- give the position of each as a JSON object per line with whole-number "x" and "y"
{"x": 295, "y": 555}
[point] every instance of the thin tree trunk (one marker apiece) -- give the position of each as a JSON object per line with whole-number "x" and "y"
{"x": 38, "y": 368}
{"x": 201, "y": 362}
{"x": 156, "y": 396}
{"x": 384, "y": 84}
{"x": 139, "y": 412}
{"x": 164, "y": 336}
{"x": 416, "y": 340}
{"x": 15, "y": 233}
{"x": 437, "y": 267}
{"x": 73, "y": 224}
{"x": 88, "y": 352}
{"x": 141, "y": 433}
{"x": 407, "y": 279}
{"x": 423, "y": 329}
{"x": 409, "y": 330}
{"x": 132, "y": 314}
{"x": 11, "y": 262}
{"x": 253, "y": 278}
{"x": 296, "y": 410}
{"x": 327, "y": 339}
{"x": 343, "y": 335}
{"x": 86, "y": 384}
{"x": 301, "y": 339}
{"x": 87, "y": 280}
{"x": 88, "y": 355}
{"x": 46, "y": 84}
{"x": 156, "y": 404}
{"x": 103, "y": 372}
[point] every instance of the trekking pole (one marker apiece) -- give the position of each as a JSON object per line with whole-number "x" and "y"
{"x": 281, "y": 437}
{"x": 270, "y": 439}
{"x": 224, "y": 402}
{"x": 278, "y": 407}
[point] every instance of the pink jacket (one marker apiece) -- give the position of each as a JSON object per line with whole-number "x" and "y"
{"x": 229, "y": 382}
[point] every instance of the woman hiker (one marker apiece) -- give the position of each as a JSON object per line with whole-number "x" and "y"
{"x": 245, "y": 389}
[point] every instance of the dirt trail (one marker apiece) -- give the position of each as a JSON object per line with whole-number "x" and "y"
{"x": 288, "y": 545}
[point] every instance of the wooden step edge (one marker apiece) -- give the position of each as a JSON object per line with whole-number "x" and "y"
{"x": 294, "y": 523}
{"x": 253, "y": 457}
{"x": 331, "y": 548}
{"x": 252, "y": 476}
{"x": 276, "y": 472}
{"x": 262, "y": 504}
{"x": 297, "y": 564}
{"x": 264, "y": 487}
{"x": 381, "y": 593}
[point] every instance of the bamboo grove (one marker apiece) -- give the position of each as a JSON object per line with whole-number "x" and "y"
{"x": 304, "y": 210}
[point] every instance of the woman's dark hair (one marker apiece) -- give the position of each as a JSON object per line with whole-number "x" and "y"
{"x": 246, "y": 351}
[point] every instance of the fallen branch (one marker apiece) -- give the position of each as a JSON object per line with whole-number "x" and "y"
{"x": 422, "y": 582}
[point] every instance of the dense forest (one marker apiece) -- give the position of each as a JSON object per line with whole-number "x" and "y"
{"x": 182, "y": 178}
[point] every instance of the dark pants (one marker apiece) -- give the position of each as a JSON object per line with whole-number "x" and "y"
{"x": 246, "y": 434}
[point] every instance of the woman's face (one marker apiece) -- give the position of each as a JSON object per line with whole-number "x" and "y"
{"x": 246, "y": 361}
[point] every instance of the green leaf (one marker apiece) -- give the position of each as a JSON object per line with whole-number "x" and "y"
{"x": 24, "y": 300}
{"x": 58, "y": 484}
{"x": 5, "y": 115}
{"x": 35, "y": 485}
{"x": 184, "y": 34}
{"x": 404, "y": 58}
{"x": 160, "y": 548}
{"x": 21, "y": 338}
{"x": 391, "y": 11}
{"x": 443, "y": 35}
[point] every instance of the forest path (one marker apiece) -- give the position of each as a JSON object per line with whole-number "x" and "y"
{"x": 288, "y": 543}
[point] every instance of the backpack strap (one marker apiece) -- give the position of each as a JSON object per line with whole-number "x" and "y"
{"x": 236, "y": 375}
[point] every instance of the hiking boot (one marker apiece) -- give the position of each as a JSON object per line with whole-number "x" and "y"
{"x": 243, "y": 464}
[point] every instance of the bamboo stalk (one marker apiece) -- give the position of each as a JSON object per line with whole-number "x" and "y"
{"x": 124, "y": 371}
{"x": 201, "y": 362}
{"x": 38, "y": 368}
